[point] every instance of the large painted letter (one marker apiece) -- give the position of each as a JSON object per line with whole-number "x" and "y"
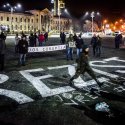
{"x": 44, "y": 90}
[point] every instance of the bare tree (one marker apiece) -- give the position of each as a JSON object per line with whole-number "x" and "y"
{"x": 87, "y": 27}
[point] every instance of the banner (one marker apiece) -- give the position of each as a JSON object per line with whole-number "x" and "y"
{"x": 72, "y": 44}
{"x": 46, "y": 48}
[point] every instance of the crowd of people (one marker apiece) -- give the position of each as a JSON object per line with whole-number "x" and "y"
{"x": 77, "y": 42}
{"x": 72, "y": 42}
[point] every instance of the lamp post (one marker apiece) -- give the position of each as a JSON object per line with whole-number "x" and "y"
{"x": 92, "y": 16}
{"x": 59, "y": 13}
{"x": 12, "y": 9}
{"x": 59, "y": 20}
{"x": 58, "y": 5}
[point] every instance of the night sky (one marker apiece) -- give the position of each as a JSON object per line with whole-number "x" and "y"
{"x": 108, "y": 8}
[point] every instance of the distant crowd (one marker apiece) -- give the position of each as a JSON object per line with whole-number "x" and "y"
{"x": 72, "y": 42}
{"x": 76, "y": 41}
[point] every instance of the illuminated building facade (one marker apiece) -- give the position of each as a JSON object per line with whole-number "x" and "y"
{"x": 33, "y": 21}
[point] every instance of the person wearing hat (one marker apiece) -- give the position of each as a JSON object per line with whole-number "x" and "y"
{"x": 83, "y": 66}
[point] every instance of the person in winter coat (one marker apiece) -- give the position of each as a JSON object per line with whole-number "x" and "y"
{"x": 23, "y": 50}
{"x": 99, "y": 44}
{"x": 2, "y": 51}
{"x": 35, "y": 39}
{"x": 69, "y": 47}
{"x": 83, "y": 66}
{"x": 46, "y": 36}
{"x": 63, "y": 37}
{"x": 94, "y": 41}
{"x": 41, "y": 39}
{"x": 118, "y": 40}
{"x": 31, "y": 40}
{"x": 79, "y": 45}
{"x": 16, "y": 43}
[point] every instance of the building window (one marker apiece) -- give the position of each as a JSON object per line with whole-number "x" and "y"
{"x": 7, "y": 18}
{"x": 16, "y": 19}
{"x": 21, "y": 27}
{"x": 24, "y": 27}
{"x": 12, "y": 27}
{"x": 29, "y": 20}
{"x": 32, "y": 20}
{"x": 32, "y": 27}
{"x": 25, "y": 20}
{"x": 1, "y": 18}
{"x": 21, "y": 19}
{"x": 12, "y": 19}
{"x": 16, "y": 27}
{"x": 36, "y": 20}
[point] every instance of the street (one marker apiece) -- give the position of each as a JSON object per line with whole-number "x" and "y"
{"x": 39, "y": 93}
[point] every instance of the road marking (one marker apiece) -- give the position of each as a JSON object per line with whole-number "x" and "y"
{"x": 105, "y": 61}
{"x": 3, "y": 78}
{"x": 17, "y": 96}
{"x": 120, "y": 71}
{"x": 105, "y": 73}
{"x": 44, "y": 90}
{"x": 58, "y": 67}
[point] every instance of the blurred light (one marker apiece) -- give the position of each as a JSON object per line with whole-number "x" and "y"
{"x": 19, "y": 5}
{"x": 66, "y": 10}
{"x": 8, "y": 4}
{"x": 93, "y": 12}
{"x": 52, "y": 1}
{"x": 87, "y": 13}
{"x": 15, "y": 7}
{"x": 52, "y": 10}
{"x": 114, "y": 27}
{"x": 4, "y": 6}
{"x": 86, "y": 21}
{"x": 121, "y": 20}
{"x": 105, "y": 21}
{"x": 116, "y": 22}
{"x": 98, "y": 13}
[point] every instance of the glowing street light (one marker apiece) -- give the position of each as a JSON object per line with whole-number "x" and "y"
{"x": 105, "y": 21}
{"x": 116, "y": 22}
{"x": 92, "y": 16}
{"x": 121, "y": 20}
{"x": 12, "y": 9}
{"x": 98, "y": 13}
{"x": 87, "y": 13}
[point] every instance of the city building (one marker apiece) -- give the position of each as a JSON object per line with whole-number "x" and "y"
{"x": 33, "y": 21}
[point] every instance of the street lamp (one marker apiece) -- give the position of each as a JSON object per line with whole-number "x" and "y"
{"x": 59, "y": 13}
{"x": 92, "y": 16}
{"x": 60, "y": 6}
{"x": 12, "y": 9}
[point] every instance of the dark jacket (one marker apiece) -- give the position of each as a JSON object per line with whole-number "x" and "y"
{"x": 94, "y": 41}
{"x": 99, "y": 41}
{"x": 32, "y": 41}
{"x": 23, "y": 46}
{"x": 2, "y": 46}
{"x": 82, "y": 62}
{"x": 79, "y": 43}
{"x": 63, "y": 36}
